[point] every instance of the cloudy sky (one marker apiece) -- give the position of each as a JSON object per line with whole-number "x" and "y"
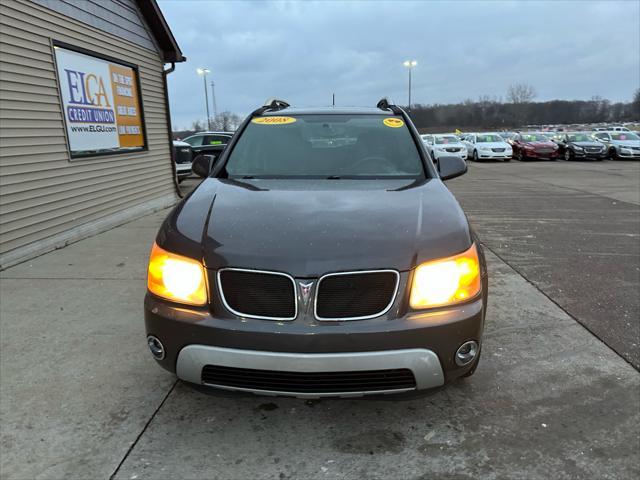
{"x": 305, "y": 51}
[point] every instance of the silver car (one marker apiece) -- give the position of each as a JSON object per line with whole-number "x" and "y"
{"x": 620, "y": 144}
{"x": 446, "y": 145}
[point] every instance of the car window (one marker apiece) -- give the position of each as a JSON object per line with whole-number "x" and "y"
{"x": 194, "y": 141}
{"x": 534, "y": 137}
{"x": 446, "y": 139}
{"x": 325, "y": 146}
{"x": 215, "y": 140}
{"x": 489, "y": 137}
{"x": 580, "y": 137}
{"x": 624, "y": 136}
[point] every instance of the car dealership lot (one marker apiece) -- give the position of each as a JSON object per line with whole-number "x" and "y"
{"x": 82, "y": 398}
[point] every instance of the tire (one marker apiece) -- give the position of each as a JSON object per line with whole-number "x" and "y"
{"x": 475, "y": 156}
{"x": 613, "y": 154}
{"x": 568, "y": 155}
{"x": 521, "y": 156}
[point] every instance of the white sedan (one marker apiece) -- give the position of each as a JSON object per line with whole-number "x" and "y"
{"x": 487, "y": 146}
{"x": 447, "y": 145}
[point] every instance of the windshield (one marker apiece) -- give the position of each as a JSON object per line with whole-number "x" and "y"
{"x": 325, "y": 146}
{"x": 624, "y": 136}
{"x": 580, "y": 137}
{"x": 447, "y": 139}
{"x": 534, "y": 137}
{"x": 489, "y": 137}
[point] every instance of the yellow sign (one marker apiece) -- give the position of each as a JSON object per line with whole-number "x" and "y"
{"x": 393, "y": 122}
{"x": 273, "y": 120}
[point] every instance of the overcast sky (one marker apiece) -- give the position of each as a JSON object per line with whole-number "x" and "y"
{"x": 305, "y": 51}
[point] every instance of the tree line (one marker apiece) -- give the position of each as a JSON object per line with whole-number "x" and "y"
{"x": 519, "y": 110}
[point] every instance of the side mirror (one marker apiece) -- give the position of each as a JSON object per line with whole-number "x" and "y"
{"x": 451, "y": 167}
{"x": 203, "y": 164}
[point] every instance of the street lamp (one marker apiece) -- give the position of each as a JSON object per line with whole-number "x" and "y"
{"x": 410, "y": 64}
{"x": 203, "y": 72}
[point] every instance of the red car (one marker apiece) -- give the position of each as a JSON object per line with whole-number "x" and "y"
{"x": 534, "y": 145}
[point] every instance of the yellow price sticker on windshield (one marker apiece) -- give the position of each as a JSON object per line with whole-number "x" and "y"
{"x": 393, "y": 122}
{"x": 273, "y": 120}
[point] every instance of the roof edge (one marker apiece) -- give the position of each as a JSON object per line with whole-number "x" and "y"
{"x": 160, "y": 28}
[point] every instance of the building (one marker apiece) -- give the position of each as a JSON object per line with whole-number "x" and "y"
{"x": 84, "y": 120}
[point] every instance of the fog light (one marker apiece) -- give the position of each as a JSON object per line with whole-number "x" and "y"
{"x": 466, "y": 353}
{"x": 156, "y": 347}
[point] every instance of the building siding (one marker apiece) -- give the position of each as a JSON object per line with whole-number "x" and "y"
{"x": 43, "y": 195}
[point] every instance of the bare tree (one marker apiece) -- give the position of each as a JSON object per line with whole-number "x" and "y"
{"x": 226, "y": 122}
{"x": 520, "y": 93}
{"x": 197, "y": 126}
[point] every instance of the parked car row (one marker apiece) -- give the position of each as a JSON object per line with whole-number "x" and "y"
{"x": 185, "y": 151}
{"x": 592, "y": 145}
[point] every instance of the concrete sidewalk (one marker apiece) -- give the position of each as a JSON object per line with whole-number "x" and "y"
{"x": 82, "y": 398}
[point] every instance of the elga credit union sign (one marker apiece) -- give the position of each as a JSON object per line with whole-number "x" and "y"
{"x": 101, "y": 104}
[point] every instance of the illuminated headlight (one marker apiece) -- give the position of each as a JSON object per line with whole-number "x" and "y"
{"x": 176, "y": 278}
{"x": 446, "y": 281}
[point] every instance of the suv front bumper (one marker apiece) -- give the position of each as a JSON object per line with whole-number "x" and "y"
{"x": 423, "y": 342}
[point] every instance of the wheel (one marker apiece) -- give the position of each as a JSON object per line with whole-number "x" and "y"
{"x": 475, "y": 156}
{"x": 568, "y": 155}
{"x": 613, "y": 154}
{"x": 521, "y": 156}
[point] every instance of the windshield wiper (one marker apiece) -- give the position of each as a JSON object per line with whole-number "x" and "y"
{"x": 334, "y": 177}
{"x": 248, "y": 177}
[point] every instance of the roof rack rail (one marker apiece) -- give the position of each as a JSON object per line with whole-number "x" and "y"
{"x": 386, "y": 104}
{"x": 273, "y": 104}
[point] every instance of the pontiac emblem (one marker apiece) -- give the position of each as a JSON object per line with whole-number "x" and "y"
{"x": 305, "y": 291}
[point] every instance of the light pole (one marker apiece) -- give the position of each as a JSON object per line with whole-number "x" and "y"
{"x": 213, "y": 101}
{"x": 203, "y": 72}
{"x": 410, "y": 64}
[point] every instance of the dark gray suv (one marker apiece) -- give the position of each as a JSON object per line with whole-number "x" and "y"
{"x": 321, "y": 256}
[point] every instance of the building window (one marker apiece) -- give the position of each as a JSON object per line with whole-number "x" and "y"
{"x": 101, "y": 102}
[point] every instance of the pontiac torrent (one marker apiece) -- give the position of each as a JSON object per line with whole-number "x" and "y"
{"x": 322, "y": 255}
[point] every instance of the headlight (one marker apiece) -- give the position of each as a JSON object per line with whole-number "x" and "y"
{"x": 176, "y": 278}
{"x": 446, "y": 281}
{"x": 485, "y": 149}
{"x": 579, "y": 149}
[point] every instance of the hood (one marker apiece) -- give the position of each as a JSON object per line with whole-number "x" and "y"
{"x": 450, "y": 145}
{"x": 631, "y": 143}
{"x": 307, "y": 228}
{"x": 548, "y": 144}
{"x": 493, "y": 145}
{"x": 587, "y": 144}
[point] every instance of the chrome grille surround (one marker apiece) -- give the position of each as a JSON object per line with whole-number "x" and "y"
{"x": 357, "y": 272}
{"x": 263, "y": 272}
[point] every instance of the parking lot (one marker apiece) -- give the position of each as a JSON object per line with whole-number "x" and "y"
{"x": 556, "y": 394}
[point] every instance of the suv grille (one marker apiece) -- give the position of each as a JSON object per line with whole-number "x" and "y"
{"x": 356, "y": 295}
{"x": 256, "y": 294}
{"x": 309, "y": 382}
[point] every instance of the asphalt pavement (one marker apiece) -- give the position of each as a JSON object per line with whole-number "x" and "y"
{"x": 573, "y": 230}
{"x": 81, "y": 397}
